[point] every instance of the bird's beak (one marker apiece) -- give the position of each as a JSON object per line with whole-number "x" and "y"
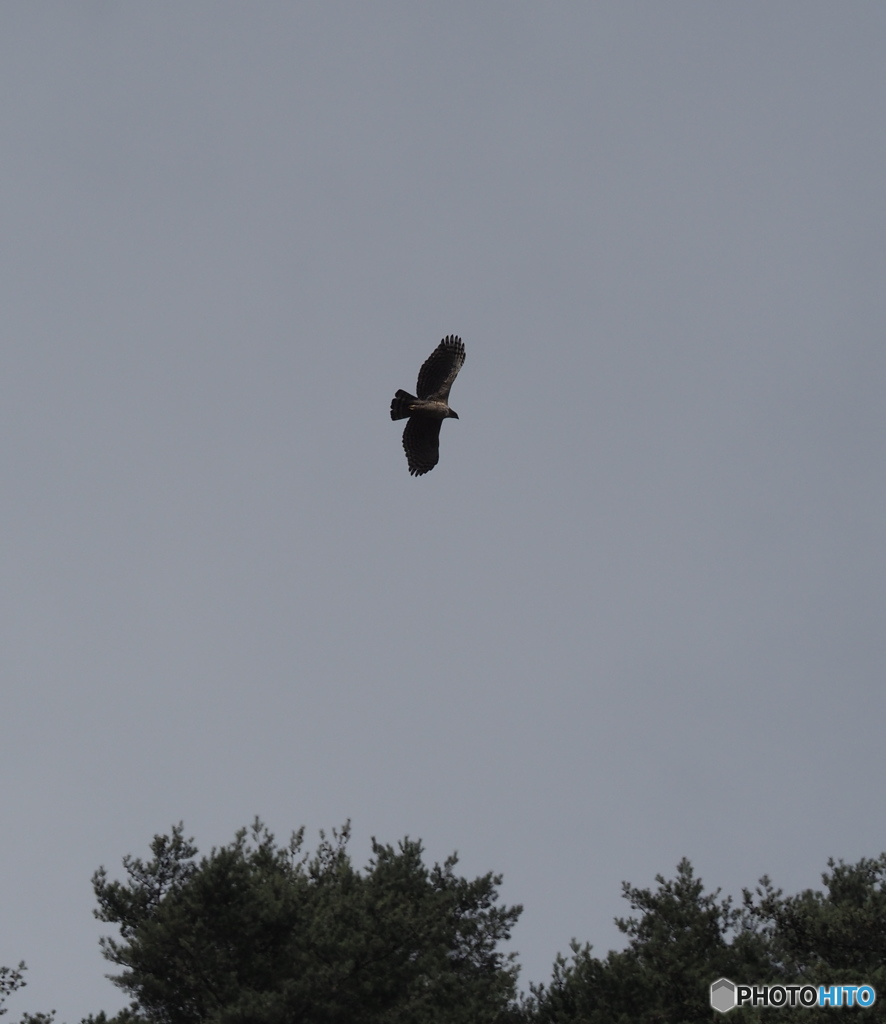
{"x": 453, "y": 415}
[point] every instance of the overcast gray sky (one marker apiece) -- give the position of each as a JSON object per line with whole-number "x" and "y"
{"x": 636, "y": 612}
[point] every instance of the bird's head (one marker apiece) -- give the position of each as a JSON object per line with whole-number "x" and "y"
{"x": 453, "y": 415}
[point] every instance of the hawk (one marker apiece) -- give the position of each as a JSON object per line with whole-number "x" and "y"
{"x": 421, "y": 438}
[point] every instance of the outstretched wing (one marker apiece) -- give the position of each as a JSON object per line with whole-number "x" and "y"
{"x": 441, "y": 368}
{"x": 421, "y": 442}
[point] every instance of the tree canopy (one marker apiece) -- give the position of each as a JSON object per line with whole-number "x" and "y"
{"x": 684, "y": 939}
{"x": 263, "y": 933}
{"x": 266, "y": 933}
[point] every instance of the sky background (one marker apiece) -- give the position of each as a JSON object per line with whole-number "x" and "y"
{"x": 635, "y": 613}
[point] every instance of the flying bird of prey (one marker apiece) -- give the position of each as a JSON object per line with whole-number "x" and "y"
{"x": 421, "y": 438}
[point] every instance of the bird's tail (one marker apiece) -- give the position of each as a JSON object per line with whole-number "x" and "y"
{"x": 401, "y": 405}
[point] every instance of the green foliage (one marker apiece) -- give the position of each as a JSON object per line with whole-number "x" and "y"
{"x": 833, "y": 937}
{"x": 264, "y": 934}
{"x": 676, "y": 948}
{"x": 684, "y": 939}
{"x": 260, "y": 933}
{"x": 130, "y": 1016}
{"x": 11, "y": 980}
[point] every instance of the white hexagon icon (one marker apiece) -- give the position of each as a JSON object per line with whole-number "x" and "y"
{"x": 723, "y": 995}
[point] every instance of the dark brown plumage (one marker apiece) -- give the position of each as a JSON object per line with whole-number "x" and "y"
{"x": 427, "y": 410}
